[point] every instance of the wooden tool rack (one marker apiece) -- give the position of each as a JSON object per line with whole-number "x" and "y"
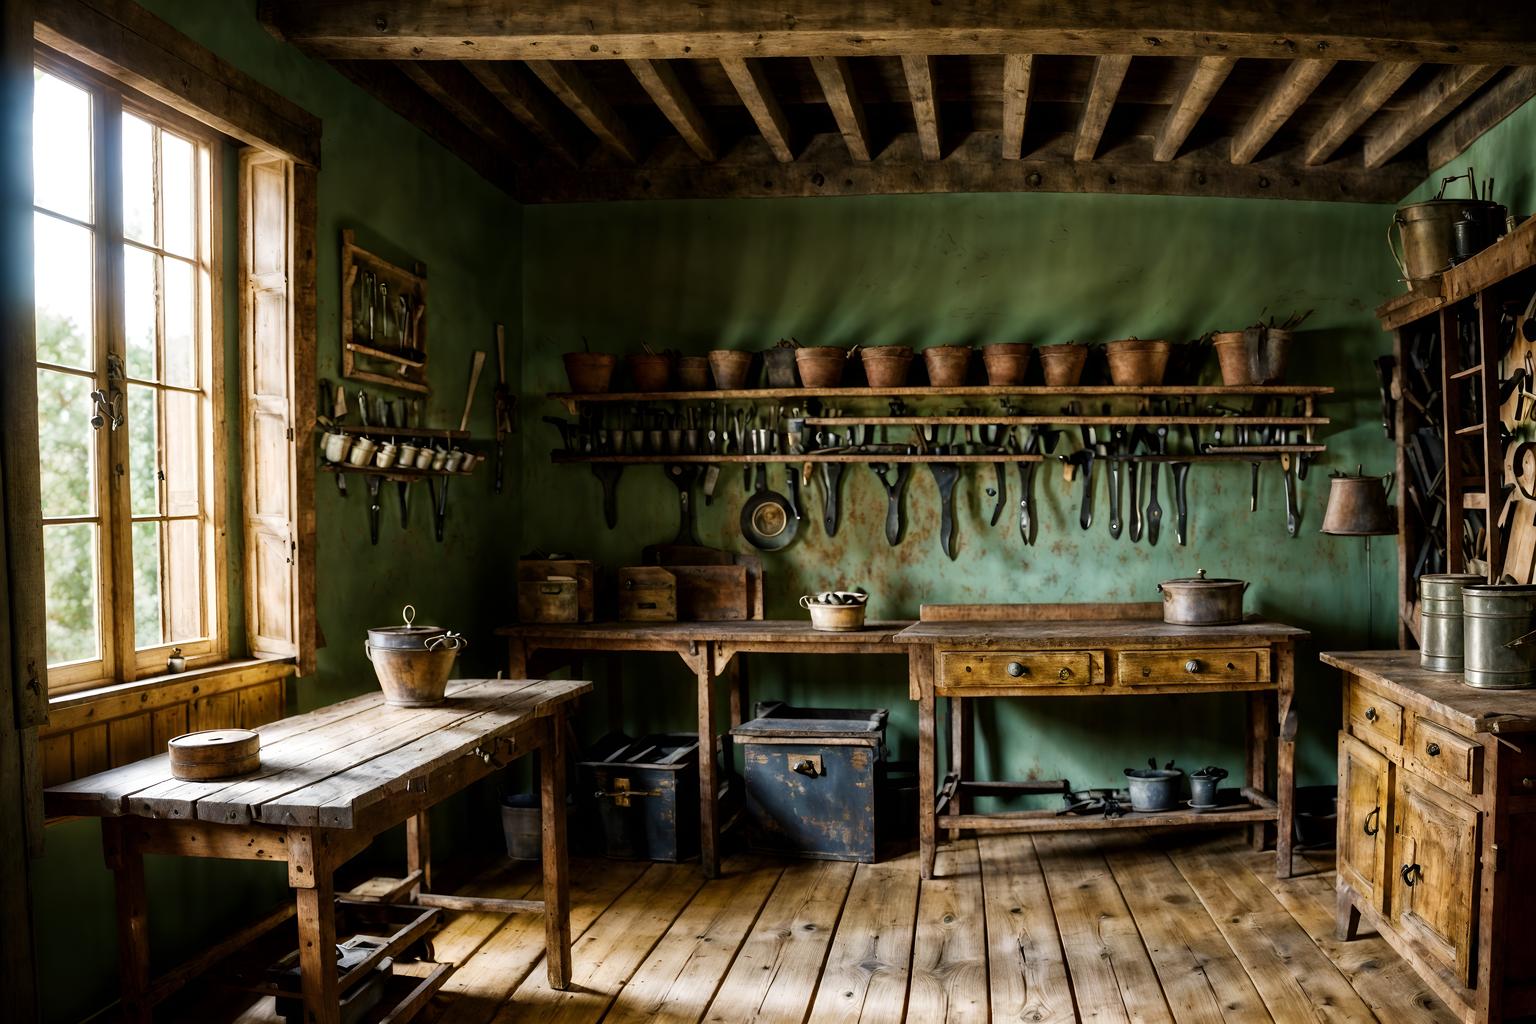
{"x": 437, "y": 479}
{"x": 970, "y": 652}
{"x": 1460, "y": 402}
{"x": 331, "y": 782}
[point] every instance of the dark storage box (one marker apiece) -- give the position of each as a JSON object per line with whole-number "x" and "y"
{"x": 641, "y": 797}
{"x": 815, "y": 779}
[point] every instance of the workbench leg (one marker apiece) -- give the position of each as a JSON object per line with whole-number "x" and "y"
{"x": 927, "y": 789}
{"x": 1285, "y": 767}
{"x": 127, "y": 866}
{"x": 418, "y": 851}
{"x": 962, "y": 754}
{"x": 1261, "y": 716}
{"x": 557, "y": 896}
{"x": 317, "y": 948}
{"x": 615, "y": 693}
{"x": 517, "y": 658}
{"x": 703, "y": 664}
{"x": 735, "y": 676}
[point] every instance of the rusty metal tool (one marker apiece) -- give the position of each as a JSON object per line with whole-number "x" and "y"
{"x": 683, "y": 476}
{"x": 1132, "y": 475}
{"x": 945, "y": 476}
{"x": 608, "y": 474}
{"x": 1027, "y": 490}
{"x": 1292, "y": 521}
{"x": 831, "y": 482}
{"x": 1116, "y": 449}
{"x": 1154, "y": 507}
{"x": 1082, "y": 459}
{"x": 1180, "y": 472}
{"x": 895, "y": 485}
{"x": 991, "y": 440}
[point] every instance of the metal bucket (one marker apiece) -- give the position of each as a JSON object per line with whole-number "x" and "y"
{"x": 1494, "y": 617}
{"x": 1154, "y": 789}
{"x": 1440, "y": 624}
{"x": 1428, "y": 236}
{"x": 413, "y": 662}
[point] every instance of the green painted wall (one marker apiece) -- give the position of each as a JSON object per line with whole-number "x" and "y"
{"x": 409, "y": 200}
{"x": 1504, "y": 154}
{"x": 975, "y": 268}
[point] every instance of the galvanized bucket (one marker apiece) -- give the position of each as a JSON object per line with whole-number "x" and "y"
{"x": 1494, "y": 618}
{"x": 1440, "y": 625}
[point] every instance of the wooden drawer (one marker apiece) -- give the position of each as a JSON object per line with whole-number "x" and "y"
{"x": 1375, "y": 719}
{"x": 1446, "y": 757}
{"x": 962, "y": 670}
{"x": 1164, "y": 668}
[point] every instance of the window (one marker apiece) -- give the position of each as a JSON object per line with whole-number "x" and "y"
{"x": 128, "y": 381}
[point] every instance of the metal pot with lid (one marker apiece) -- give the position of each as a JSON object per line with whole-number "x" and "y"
{"x": 413, "y": 662}
{"x": 1200, "y": 600}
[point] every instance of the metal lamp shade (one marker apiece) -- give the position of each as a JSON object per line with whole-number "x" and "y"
{"x": 1357, "y": 506}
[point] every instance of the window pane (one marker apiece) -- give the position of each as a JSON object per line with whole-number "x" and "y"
{"x": 65, "y": 311}
{"x": 146, "y": 585}
{"x": 184, "y": 572}
{"x": 69, "y": 559}
{"x": 178, "y": 194}
{"x": 143, "y": 451}
{"x": 183, "y": 451}
{"x": 139, "y": 311}
{"x": 61, "y": 146}
{"x": 66, "y": 447}
{"x": 180, "y": 323}
{"x": 138, "y": 179}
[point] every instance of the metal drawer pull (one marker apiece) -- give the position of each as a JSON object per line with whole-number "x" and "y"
{"x": 1371, "y": 715}
{"x": 1529, "y": 782}
{"x": 1432, "y": 749}
{"x": 1371, "y": 829}
{"x": 805, "y": 766}
{"x": 1192, "y": 666}
{"x": 1065, "y": 673}
{"x": 1411, "y": 874}
{"x": 1016, "y": 669}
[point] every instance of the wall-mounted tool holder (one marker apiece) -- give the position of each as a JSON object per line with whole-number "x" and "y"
{"x": 446, "y": 458}
{"x": 383, "y": 320}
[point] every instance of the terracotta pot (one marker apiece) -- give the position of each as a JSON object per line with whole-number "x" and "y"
{"x": 1063, "y": 364}
{"x": 821, "y": 367}
{"x": 730, "y": 368}
{"x": 589, "y": 372}
{"x": 779, "y": 362}
{"x": 1006, "y": 363}
{"x": 693, "y": 373}
{"x": 1137, "y": 363}
{"x": 1232, "y": 354}
{"x": 947, "y": 365}
{"x": 886, "y": 365}
{"x": 650, "y": 371}
{"x": 1264, "y": 363}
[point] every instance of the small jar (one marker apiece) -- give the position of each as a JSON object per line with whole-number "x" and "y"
{"x": 424, "y": 456}
{"x": 336, "y": 446}
{"x": 405, "y": 455}
{"x": 454, "y": 459}
{"x": 439, "y": 460}
{"x": 384, "y": 458}
{"x": 362, "y": 452}
{"x": 471, "y": 460}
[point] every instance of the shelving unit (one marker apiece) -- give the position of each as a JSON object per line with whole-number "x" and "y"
{"x": 376, "y": 477}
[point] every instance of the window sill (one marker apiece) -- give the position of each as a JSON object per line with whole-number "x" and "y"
{"x": 72, "y": 710}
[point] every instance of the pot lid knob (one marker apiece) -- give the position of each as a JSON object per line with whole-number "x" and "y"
{"x": 1199, "y": 574}
{"x": 408, "y": 613}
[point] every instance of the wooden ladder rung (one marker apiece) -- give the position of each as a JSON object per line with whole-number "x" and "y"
{"x": 1470, "y": 371}
{"x": 1471, "y": 431}
{"x": 1474, "y": 499}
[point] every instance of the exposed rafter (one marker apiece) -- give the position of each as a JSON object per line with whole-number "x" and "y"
{"x": 1378, "y": 85}
{"x": 1185, "y": 112}
{"x": 1468, "y": 124}
{"x": 660, "y": 82}
{"x": 1448, "y": 91}
{"x": 1108, "y": 73}
{"x": 836, "y": 80}
{"x": 1290, "y": 92}
{"x": 513, "y": 89}
{"x": 752, "y": 86}
{"x": 1018, "y": 68}
{"x": 925, "y": 103}
{"x": 455, "y": 88}
{"x": 568, "y": 83}
{"x": 582, "y": 30}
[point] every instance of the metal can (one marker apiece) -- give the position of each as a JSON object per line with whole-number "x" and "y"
{"x": 1440, "y": 626}
{"x": 1493, "y": 618}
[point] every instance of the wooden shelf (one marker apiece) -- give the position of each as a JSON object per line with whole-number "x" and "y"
{"x": 403, "y": 432}
{"x": 1232, "y": 455}
{"x": 1069, "y": 421}
{"x": 395, "y": 474}
{"x": 390, "y": 355}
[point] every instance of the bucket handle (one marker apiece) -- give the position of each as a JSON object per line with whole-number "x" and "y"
{"x": 1397, "y": 222}
{"x": 450, "y": 640}
{"x": 1522, "y": 640}
{"x": 1387, "y": 480}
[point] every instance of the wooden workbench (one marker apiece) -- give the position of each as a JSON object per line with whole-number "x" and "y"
{"x": 1070, "y": 656}
{"x": 330, "y": 782}
{"x": 710, "y": 650}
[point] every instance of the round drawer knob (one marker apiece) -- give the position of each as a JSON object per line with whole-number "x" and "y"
{"x": 1015, "y": 669}
{"x": 1432, "y": 749}
{"x": 1192, "y": 666}
{"x": 1529, "y": 782}
{"x": 1065, "y": 673}
{"x": 1371, "y": 715}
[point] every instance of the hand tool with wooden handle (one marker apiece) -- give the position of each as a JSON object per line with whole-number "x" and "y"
{"x": 474, "y": 379}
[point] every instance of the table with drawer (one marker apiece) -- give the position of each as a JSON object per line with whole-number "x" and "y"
{"x": 1437, "y": 828}
{"x": 1096, "y": 650}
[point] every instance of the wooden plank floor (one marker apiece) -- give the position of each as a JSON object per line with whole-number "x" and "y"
{"x": 1062, "y": 928}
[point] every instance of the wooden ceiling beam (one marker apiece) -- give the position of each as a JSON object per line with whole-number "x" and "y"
{"x": 1108, "y": 73}
{"x": 1193, "y": 98}
{"x": 1470, "y": 122}
{"x": 513, "y": 90}
{"x": 572, "y": 88}
{"x": 1295, "y": 85}
{"x": 1449, "y": 90}
{"x": 456, "y": 91}
{"x": 925, "y": 104}
{"x": 1378, "y": 85}
{"x": 1018, "y": 69}
{"x": 660, "y": 82}
{"x": 836, "y": 80}
{"x": 1423, "y": 30}
{"x": 752, "y": 86}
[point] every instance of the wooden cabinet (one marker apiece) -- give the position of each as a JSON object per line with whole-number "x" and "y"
{"x": 1365, "y": 821}
{"x": 1434, "y": 887}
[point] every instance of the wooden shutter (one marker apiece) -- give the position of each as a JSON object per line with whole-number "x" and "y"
{"x": 277, "y": 355}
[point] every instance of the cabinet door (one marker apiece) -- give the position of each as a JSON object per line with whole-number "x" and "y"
{"x": 1434, "y": 884}
{"x": 1365, "y": 820}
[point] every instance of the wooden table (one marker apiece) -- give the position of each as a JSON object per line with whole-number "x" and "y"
{"x": 710, "y": 650}
{"x": 1072, "y": 657}
{"x": 1437, "y": 828}
{"x": 330, "y": 782}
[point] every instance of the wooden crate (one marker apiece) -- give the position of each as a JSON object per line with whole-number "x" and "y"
{"x": 583, "y": 571}
{"x": 647, "y": 593}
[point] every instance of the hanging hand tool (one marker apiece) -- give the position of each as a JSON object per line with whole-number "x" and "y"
{"x": 683, "y": 477}
{"x": 1027, "y": 490}
{"x": 1131, "y": 468}
{"x": 945, "y": 476}
{"x": 374, "y": 508}
{"x": 1084, "y": 459}
{"x": 608, "y": 474}
{"x": 338, "y": 405}
{"x": 1117, "y": 448}
{"x": 991, "y": 440}
{"x": 477, "y": 363}
{"x": 1180, "y": 471}
{"x": 894, "y": 487}
{"x": 1154, "y": 509}
{"x": 439, "y": 503}
{"x": 831, "y": 481}
{"x": 504, "y": 404}
{"x": 1292, "y": 521}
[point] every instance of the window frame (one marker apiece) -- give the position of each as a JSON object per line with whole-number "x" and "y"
{"x": 121, "y": 661}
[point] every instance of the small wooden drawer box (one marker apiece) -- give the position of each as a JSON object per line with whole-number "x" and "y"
{"x": 1174, "y": 668}
{"x": 647, "y": 593}
{"x": 552, "y": 600}
{"x": 961, "y": 670}
{"x": 539, "y": 570}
